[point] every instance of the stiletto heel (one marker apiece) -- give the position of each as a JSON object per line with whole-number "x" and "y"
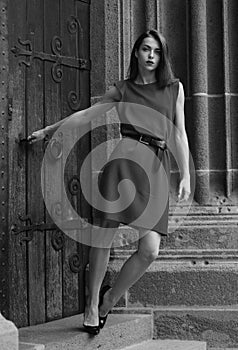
{"x": 94, "y": 330}
{"x": 103, "y": 319}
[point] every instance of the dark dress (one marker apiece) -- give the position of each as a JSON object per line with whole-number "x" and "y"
{"x": 141, "y": 171}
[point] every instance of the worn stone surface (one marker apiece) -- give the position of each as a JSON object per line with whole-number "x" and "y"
{"x": 137, "y": 18}
{"x": 223, "y": 348}
{"x": 232, "y": 13}
{"x": 215, "y": 51}
{"x": 150, "y": 14}
{"x": 168, "y": 345}
{"x": 185, "y": 288}
{"x": 199, "y": 43}
{"x": 203, "y": 238}
{"x": 97, "y": 44}
{"x": 68, "y": 333}
{"x": 234, "y": 128}
{"x": 202, "y": 235}
{"x": 217, "y": 326}
{"x": 182, "y": 283}
{"x": 28, "y": 346}
{"x": 199, "y": 147}
{"x": 217, "y": 136}
{"x": 173, "y": 19}
{"x": 8, "y": 335}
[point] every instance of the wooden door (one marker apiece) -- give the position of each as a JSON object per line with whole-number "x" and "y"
{"x": 49, "y": 71}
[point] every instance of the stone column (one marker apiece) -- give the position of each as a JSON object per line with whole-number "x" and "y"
{"x": 8, "y": 335}
{"x": 230, "y": 27}
{"x": 151, "y": 14}
{"x": 199, "y": 87}
{"x": 227, "y": 98}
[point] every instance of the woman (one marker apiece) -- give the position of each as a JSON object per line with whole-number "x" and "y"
{"x": 151, "y": 84}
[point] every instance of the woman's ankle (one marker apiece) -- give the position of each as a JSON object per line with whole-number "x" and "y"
{"x": 92, "y": 307}
{"x": 92, "y": 302}
{"x": 108, "y": 303}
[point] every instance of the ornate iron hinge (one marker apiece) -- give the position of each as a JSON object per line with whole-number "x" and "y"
{"x": 26, "y": 51}
{"x": 55, "y": 57}
{"x": 29, "y": 228}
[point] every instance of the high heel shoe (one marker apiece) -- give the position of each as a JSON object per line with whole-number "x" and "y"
{"x": 94, "y": 330}
{"x": 103, "y": 319}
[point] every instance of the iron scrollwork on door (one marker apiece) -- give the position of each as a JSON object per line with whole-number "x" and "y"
{"x": 74, "y": 185}
{"x": 75, "y": 263}
{"x": 26, "y": 51}
{"x": 57, "y": 240}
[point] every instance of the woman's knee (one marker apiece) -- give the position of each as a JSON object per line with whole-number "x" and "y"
{"x": 148, "y": 255}
{"x": 149, "y": 245}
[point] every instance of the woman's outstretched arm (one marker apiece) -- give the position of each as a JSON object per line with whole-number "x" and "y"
{"x": 181, "y": 143}
{"x": 81, "y": 117}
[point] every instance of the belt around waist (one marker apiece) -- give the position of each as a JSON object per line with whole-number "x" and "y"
{"x": 147, "y": 140}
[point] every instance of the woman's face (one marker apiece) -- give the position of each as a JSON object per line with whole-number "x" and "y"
{"x": 148, "y": 54}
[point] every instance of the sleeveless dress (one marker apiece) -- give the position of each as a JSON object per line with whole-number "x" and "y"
{"x": 136, "y": 179}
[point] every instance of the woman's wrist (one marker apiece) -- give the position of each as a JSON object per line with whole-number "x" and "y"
{"x": 185, "y": 176}
{"x": 46, "y": 131}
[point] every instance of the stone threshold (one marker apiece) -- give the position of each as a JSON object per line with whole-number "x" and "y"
{"x": 68, "y": 333}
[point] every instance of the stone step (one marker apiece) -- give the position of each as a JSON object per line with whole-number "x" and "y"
{"x": 181, "y": 282}
{"x": 218, "y": 326}
{"x": 29, "y": 346}
{"x": 201, "y": 234}
{"x": 168, "y": 345}
{"x": 68, "y": 334}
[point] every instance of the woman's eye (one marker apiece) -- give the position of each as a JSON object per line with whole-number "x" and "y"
{"x": 145, "y": 49}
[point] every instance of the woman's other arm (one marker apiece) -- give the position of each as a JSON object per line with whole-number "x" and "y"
{"x": 181, "y": 143}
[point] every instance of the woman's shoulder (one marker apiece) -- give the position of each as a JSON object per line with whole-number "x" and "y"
{"x": 175, "y": 85}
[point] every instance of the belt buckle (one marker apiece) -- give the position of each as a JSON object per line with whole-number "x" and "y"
{"x": 145, "y": 142}
{"x": 164, "y": 146}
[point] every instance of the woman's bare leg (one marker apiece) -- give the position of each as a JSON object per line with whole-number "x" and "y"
{"x": 132, "y": 269}
{"x": 98, "y": 261}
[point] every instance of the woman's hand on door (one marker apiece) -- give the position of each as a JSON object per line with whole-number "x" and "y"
{"x": 36, "y": 136}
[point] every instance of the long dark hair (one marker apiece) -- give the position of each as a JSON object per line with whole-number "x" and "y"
{"x": 164, "y": 73}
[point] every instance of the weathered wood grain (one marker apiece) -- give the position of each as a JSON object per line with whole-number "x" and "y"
{"x": 17, "y": 171}
{"x": 35, "y": 206}
{"x": 52, "y": 114}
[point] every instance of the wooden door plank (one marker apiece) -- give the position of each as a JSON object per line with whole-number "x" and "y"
{"x": 53, "y": 169}
{"x": 35, "y": 207}
{"x": 69, "y": 81}
{"x": 83, "y": 15}
{"x": 17, "y": 170}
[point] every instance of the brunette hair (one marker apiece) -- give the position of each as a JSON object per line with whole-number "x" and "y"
{"x": 164, "y": 73}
